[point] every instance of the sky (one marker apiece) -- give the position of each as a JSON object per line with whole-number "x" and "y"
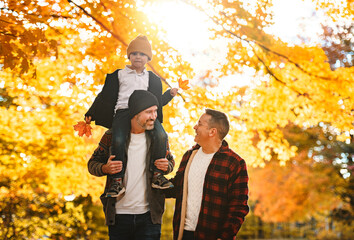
{"x": 189, "y": 34}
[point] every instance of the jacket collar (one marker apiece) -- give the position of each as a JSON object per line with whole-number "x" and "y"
{"x": 224, "y": 147}
{"x": 129, "y": 70}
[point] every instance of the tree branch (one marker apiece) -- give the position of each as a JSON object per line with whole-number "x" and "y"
{"x": 99, "y": 23}
{"x": 262, "y": 61}
{"x": 9, "y": 34}
{"x": 258, "y": 43}
{"x": 2, "y": 20}
{"x": 32, "y": 14}
{"x": 277, "y": 79}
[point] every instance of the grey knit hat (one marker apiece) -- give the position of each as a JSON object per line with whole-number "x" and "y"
{"x": 141, "y": 100}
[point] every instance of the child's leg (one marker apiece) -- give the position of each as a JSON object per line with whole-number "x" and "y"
{"x": 159, "y": 151}
{"x": 120, "y": 131}
{"x": 159, "y": 145}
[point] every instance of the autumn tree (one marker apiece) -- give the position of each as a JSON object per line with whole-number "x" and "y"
{"x": 54, "y": 55}
{"x": 309, "y": 184}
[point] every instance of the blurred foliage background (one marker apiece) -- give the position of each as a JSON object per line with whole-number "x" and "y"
{"x": 292, "y": 122}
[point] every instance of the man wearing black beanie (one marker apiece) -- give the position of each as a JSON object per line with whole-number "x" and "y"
{"x": 137, "y": 213}
{"x": 139, "y": 101}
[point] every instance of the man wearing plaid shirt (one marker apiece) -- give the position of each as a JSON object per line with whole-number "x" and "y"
{"x": 211, "y": 185}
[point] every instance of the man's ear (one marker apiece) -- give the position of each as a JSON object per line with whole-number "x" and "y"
{"x": 213, "y": 132}
{"x": 134, "y": 118}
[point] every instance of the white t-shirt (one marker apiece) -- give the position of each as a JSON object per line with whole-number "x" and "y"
{"x": 135, "y": 198}
{"x": 196, "y": 176}
{"x": 130, "y": 80}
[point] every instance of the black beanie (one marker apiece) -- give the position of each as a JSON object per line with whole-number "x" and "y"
{"x": 141, "y": 100}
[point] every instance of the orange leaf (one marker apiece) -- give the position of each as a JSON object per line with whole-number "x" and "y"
{"x": 88, "y": 130}
{"x": 183, "y": 84}
{"x": 83, "y": 128}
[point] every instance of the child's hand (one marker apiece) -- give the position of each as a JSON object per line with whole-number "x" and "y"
{"x": 173, "y": 91}
{"x": 88, "y": 119}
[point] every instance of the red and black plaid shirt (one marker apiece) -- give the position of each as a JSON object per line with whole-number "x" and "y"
{"x": 225, "y": 194}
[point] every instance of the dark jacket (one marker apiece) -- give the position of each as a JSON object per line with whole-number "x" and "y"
{"x": 155, "y": 197}
{"x": 102, "y": 109}
{"x": 225, "y": 194}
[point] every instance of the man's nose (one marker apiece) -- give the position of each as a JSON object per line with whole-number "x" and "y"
{"x": 154, "y": 115}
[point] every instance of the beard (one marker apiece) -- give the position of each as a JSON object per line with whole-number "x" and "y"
{"x": 147, "y": 125}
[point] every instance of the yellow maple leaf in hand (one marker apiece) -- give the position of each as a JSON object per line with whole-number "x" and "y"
{"x": 183, "y": 84}
{"x": 83, "y": 128}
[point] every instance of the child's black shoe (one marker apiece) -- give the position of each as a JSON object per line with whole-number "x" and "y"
{"x": 160, "y": 182}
